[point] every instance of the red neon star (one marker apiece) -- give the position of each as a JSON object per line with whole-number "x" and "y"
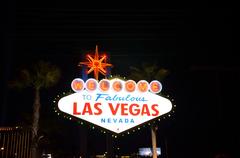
{"x": 96, "y": 65}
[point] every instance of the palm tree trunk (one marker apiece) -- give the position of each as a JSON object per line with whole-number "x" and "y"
{"x": 36, "y": 111}
{"x": 154, "y": 140}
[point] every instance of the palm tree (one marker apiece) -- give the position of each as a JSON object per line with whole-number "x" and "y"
{"x": 149, "y": 72}
{"x": 40, "y": 75}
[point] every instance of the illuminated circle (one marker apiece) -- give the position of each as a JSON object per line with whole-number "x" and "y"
{"x": 117, "y": 86}
{"x": 104, "y": 85}
{"x": 155, "y": 86}
{"x": 91, "y": 84}
{"x": 142, "y": 86}
{"x": 77, "y": 85}
{"x": 130, "y": 86}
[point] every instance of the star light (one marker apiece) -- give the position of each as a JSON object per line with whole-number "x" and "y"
{"x": 96, "y": 65}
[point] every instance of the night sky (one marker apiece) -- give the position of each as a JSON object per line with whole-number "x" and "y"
{"x": 194, "y": 42}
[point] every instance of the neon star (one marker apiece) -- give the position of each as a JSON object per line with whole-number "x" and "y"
{"x": 96, "y": 65}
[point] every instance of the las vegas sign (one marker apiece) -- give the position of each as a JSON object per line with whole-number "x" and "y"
{"x": 115, "y": 105}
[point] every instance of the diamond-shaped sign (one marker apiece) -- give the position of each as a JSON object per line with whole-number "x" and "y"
{"x": 115, "y": 111}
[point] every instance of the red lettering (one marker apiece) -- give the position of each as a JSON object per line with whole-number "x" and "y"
{"x": 75, "y": 112}
{"x": 87, "y": 109}
{"x": 113, "y": 110}
{"x": 134, "y": 111}
{"x": 145, "y": 110}
{"x": 124, "y": 109}
{"x": 154, "y": 108}
{"x": 99, "y": 110}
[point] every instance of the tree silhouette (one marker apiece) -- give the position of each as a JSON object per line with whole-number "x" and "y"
{"x": 38, "y": 76}
{"x": 149, "y": 72}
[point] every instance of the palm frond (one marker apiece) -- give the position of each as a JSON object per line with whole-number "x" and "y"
{"x": 161, "y": 74}
{"x": 148, "y": 72}
{"x": 41, "y": 75}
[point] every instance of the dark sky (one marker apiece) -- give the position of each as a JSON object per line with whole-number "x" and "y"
{"x": 193, "y": 41}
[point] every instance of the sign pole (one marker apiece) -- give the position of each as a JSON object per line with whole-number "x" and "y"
{"x": 154, "y": 140}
